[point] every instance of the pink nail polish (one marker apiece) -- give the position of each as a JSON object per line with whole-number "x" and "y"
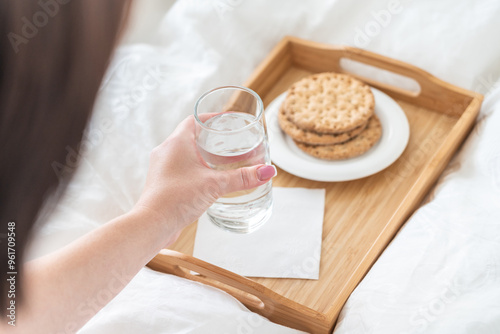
{"x": 266, "y": 172}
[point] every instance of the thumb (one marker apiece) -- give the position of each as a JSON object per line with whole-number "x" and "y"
{"x": 246, "y": 178}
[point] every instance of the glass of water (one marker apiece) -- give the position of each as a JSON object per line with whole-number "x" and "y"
{"x": 234, "y": 135}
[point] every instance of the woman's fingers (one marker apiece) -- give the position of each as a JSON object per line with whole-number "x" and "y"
{"x": 245, "y": 178}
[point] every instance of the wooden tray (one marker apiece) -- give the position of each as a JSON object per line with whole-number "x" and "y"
{"x": 361, "y": 216}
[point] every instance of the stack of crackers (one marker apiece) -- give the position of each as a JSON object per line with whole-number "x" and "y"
{"x": 330, "y": 116}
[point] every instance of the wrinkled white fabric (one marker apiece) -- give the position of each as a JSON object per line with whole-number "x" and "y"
{"x": 441, "y": 272}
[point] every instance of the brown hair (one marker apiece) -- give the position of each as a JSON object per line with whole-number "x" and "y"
{"x": 53, "y": 55}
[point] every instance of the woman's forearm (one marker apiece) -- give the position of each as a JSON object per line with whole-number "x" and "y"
{"x": 65, "y": 289}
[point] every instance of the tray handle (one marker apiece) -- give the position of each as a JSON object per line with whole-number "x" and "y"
{"x": 434, "y": 93}
{"x": 253, "y": 295}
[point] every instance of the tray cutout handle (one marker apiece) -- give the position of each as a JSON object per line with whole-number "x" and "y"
{"x": 376, "y": 76}
{"x": 253, "y": 295}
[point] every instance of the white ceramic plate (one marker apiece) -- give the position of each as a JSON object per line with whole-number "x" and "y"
{"x": 395, "y": 135}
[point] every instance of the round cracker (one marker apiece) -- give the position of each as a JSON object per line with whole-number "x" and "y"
{"x": 350, "y": 149}
{"x": 329, "y": 103}
{"x": 315, "y": 138}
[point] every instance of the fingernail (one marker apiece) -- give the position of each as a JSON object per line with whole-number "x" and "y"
{"x": 266, "y": 172}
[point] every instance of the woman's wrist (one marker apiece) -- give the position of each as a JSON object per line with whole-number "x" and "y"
{"x": 162, "y": 228}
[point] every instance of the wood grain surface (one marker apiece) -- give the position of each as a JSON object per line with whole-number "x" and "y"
{"x": 361, "y": 216}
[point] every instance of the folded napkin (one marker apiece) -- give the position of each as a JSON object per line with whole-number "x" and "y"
{"x": 288, "y": 245}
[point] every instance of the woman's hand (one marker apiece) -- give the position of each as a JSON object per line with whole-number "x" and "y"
{"x": 180, "y": 186}
{"x": 61, "y": 286}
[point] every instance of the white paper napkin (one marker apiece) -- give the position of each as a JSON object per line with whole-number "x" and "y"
{"x": 288, "y": 245}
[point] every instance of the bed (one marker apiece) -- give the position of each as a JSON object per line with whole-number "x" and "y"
{"x": 440, "y": 274}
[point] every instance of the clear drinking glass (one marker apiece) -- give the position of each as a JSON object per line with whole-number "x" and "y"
{"x": 234, "y": 135}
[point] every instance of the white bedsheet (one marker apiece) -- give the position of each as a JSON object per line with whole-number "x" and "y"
{"x": 441, "y": 273}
